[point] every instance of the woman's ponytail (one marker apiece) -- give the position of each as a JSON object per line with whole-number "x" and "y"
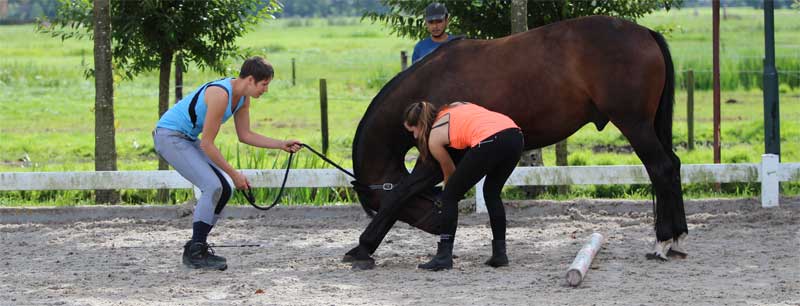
{"x": 421, "y": 114}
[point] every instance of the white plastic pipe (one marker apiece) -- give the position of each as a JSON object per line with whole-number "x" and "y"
{"x": 577, "y": 270}
{"x": 770, "y": 186}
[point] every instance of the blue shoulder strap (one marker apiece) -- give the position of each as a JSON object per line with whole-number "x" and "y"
{"x": 193, "y": 104}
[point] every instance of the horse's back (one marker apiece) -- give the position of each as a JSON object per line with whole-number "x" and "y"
{"x": 555, "y": 75}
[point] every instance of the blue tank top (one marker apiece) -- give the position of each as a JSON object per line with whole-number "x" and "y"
{"x": 189, "y": 114}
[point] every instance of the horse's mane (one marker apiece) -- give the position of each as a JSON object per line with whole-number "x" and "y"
{"x": 389, "y": 87}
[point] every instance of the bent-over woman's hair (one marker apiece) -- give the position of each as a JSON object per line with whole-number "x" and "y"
{"x": 421, "y": 114}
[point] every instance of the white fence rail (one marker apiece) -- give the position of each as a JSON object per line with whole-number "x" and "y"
{"x": 572, "y": 175}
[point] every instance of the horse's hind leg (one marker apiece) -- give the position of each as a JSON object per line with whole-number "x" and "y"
{"x": 663, "y": 168}
{"x": 679, "y": 227}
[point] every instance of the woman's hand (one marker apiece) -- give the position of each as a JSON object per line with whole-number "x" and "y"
{"x": 240, "y": 181}
{"x": 291, "y": 145}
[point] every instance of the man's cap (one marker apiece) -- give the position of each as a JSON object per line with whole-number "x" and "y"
{"x": 435, "y": 11}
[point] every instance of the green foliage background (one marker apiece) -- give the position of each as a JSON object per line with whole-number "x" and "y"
{"x": 491, "y": 19}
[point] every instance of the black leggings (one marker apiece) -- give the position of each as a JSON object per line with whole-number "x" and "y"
{"x": 495, "y": 157}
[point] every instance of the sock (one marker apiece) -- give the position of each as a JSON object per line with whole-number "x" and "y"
{"x": 200, "y": 231}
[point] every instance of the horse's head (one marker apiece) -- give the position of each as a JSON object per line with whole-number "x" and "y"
{"x": 379, "y": 149}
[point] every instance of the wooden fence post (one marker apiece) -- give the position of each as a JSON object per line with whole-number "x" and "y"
{"x": 690, "y": 107}
{"x": 293, "y": 73}
{"x": 323, "y": 108}
{"x": 561, "y": 160}
{"x": 403, "y": 60}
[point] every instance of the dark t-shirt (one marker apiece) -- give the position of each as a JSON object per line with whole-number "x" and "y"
{"x": 426, "y": 46}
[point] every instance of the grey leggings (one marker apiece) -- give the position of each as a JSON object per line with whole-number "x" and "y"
{"x": 185, "y": 155}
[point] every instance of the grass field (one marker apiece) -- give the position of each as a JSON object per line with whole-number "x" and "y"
{"x": 46, "y": 119}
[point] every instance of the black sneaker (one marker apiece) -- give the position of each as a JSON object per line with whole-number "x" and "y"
{"x": 199, "y": 255}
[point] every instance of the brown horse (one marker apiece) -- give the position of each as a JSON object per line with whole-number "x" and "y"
{"x": 551, "y": 81}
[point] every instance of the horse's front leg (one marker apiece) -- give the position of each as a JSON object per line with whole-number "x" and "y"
{"x": 423, "y": 177}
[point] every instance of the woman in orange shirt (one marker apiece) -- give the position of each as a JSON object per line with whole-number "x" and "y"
{"x": 495, "y": 145}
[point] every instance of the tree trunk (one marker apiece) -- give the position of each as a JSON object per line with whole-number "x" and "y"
{"x": 3, "y": 8}
{"x": 519, "y": 16}
{"x": 519, "y": 23}
{"x": 105, "y": 152}
{"x": 163, "y": 104}
{"x": 178, "y": 78}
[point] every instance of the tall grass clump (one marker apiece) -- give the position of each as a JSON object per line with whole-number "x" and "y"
{"x": 254, "y": 158}
{"x": 378, "y": 78}
{"x": 744, "y": 72}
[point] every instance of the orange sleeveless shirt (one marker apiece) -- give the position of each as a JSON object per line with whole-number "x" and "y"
{"x": 471, "y": 123}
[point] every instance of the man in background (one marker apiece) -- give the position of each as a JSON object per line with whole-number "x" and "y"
{"x": 436, "y": 21}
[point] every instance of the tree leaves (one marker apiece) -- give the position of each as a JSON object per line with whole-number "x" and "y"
{"x": 487, "y": 19}
{"x": 205, "y": 32}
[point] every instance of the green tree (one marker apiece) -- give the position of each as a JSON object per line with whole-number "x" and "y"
{"x": 489, "y": 19}
{"x": 148, "y": 34}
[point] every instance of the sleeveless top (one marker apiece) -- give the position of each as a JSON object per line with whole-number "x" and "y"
{"x": 189, "y": 114}
{"x": 470, "y": 124}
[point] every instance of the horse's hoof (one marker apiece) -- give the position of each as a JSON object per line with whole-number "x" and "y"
{"x": 354, "y": 253}
{"x": 653, "y": 256}
{"x": 660, "y": 249}
{"x": 363, "y": 264}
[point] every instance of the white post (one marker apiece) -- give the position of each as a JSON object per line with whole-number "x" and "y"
{"x": 480, "y": 202}
{"x": 770, "y": 187}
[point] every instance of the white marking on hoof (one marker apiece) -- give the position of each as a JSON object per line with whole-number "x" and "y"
{"x": 660, "y": 249}
{"x": 678, "y": 248}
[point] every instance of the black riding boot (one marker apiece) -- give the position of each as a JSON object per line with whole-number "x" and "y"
{"x": 199, "y": 255}
{"x": 443, "y": 259}
{"x": 499, "y": 258}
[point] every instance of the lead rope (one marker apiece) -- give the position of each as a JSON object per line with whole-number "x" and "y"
{"x": 248, "y": 193}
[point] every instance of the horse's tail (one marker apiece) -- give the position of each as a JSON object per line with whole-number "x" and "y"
{"x": 663, "y": 120}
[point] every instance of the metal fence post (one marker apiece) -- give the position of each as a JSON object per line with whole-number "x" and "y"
{"x": 690, "y": 107}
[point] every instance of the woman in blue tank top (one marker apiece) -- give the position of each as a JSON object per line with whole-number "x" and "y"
{"x": 200, "y": 161}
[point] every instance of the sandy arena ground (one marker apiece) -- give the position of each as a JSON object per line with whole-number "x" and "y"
{"x": 740, "y": 255}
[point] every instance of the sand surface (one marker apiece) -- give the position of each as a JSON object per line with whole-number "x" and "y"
{"x": 740, "y": 254}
